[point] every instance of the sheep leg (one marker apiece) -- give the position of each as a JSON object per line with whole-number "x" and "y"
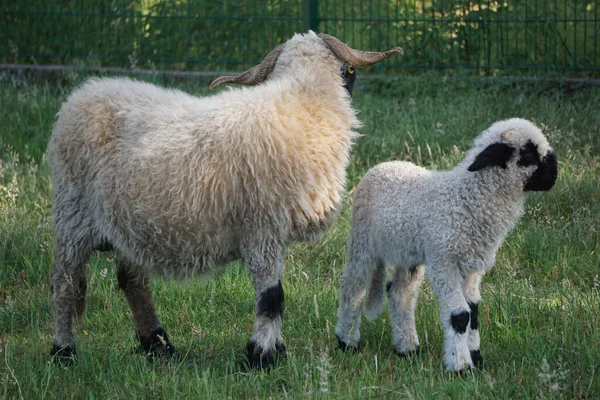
{"x": 353, "y": 291}
{"x": 266, "y": 344}
{"x": 69, "y": 288}
{"x": 473, "y": 296}
{"x": 455, "y": 316}
{"x": 373, "y": 304}
{"x": 136, "y": 286}
{"x": 403, "y": 294}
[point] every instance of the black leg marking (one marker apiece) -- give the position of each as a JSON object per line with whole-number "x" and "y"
{"x": 388, "y": 287}
{"x": 157, "y": 345}
{"x": 344, "y": 346}
{"x": 271, "y": 300}
{"x": 476, "y": 358}
{"x": 475, "y": 354}
{"x": 460, "y": 322}
{"x": 474, "y": 315}
{"x": 265, "y": 361}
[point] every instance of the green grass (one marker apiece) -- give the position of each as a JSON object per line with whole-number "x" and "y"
{"x": 539, "y": 320}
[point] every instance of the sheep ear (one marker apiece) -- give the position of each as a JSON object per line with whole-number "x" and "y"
{"x": 496, "y": 154}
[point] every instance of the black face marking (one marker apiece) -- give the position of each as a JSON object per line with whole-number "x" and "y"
{"x": 528, "y": 155}
{"x": 270, "y": 304}
{"x": 349, "y": 75}
{"x": 544, "y": 177}
{"x": 496, "y": 154}
{"x": 460, "y": 322}
{"x": 157, "y": 344}
{"x": 474, "y": 315}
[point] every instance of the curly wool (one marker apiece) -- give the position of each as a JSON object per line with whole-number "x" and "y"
{"x": 453, "y": 222}
{"x": 179, "y": 184}
{"x": 457, "y": 214}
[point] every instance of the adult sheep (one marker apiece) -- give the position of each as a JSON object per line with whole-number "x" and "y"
{"x": 449, "y": 223}
{"x": 178, "y": 185}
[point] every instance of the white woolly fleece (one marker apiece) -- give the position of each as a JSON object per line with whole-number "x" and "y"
{"x": 452, "y": 221}
{"x": 409, "y": 215}
{"x": 179, "y": 183}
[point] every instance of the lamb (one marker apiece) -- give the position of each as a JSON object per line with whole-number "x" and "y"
{"x": 449, "y": 224}
{"x": 178, "y": 185}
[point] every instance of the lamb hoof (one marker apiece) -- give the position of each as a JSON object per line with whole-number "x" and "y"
{"x": 477, "y": 358}
{"x": 346, "y": 347}
{"x": 264, "y": 361}
{"x": 410, "y": 353}
{"x": 463, "y": 373}
{"x": 157, "y": 345}
{"x": 63, "y": 355}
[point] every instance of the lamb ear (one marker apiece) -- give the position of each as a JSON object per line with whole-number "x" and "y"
{"x": 496, "y": 154}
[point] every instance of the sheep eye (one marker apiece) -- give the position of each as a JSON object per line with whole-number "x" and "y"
{"x": 350, "y": 69}
{"x": 528, "y": 155}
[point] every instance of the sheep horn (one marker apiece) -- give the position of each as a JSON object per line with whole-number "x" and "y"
{"x": 506, "y": 135}
{"x": 254, "y": 75}
{"x": 356, "y": 58}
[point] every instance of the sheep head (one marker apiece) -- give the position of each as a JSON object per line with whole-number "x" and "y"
{"x": 349, "y": 57}
{"x": 517, "y": 145}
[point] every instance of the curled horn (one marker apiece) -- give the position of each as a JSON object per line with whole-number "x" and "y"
{"x": 254, "y": 75}
{"x": 357, "y": 58}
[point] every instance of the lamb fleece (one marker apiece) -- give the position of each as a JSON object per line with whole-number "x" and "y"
{"x": 448, "y": 224}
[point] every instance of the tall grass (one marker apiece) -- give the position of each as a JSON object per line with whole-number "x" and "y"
{"x": 540, "y": 312}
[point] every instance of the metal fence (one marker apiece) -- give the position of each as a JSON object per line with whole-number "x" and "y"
{"x": 486, "y": 36}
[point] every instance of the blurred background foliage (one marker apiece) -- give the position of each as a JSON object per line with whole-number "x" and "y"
{"x": 488, "y": 37}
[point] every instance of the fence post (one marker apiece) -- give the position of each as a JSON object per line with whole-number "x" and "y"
{"x": 311, "y": 15}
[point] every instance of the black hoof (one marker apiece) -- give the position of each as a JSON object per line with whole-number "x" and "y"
{"x": 465, "y": 372}
{"x": 410, "y": 353}
{"x": 476, "y": 358}
{"x": 346, "y": 347}
{"x": 258, "y": 360}
{"x": 157, "y": 345}
{"x": 63, "y": 355}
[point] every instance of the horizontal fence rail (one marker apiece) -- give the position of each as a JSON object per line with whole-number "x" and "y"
{"x": 489, "y": 37}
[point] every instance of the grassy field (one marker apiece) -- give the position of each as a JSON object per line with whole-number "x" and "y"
{"x": 539, "y": 319}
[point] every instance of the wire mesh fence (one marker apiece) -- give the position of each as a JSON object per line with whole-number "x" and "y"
{"x": 486, "y": 36}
